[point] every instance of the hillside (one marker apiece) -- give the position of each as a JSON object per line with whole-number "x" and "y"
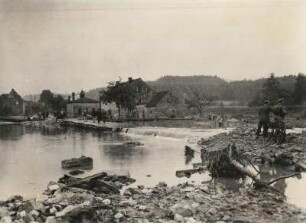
{"x": 181, "y": 86}
{"x": 244, "y": 90}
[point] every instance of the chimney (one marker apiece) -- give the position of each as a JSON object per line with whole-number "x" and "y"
{"x": 69, "y": 98}
{"x": 73, "y": 96}
{"x": 82, "y": 94}
{"x": 130, "y": 79}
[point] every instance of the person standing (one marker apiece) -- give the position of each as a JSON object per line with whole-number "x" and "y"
{"x": 279, "y": 109}
{"x": 264, "y": 118}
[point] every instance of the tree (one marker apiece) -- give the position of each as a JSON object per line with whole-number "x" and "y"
{"x": 46, "y": 97}
{"x": 58, "y": 103}
{"x": 271, "y": 89}
{"x": 299, "y": 94}
{"x": 51, "y": 102}
{"x": 199, "y": 100}
{"x": 122, "y": 94}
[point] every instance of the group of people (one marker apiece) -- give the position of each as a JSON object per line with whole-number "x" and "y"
{"x": 264, "y": 115}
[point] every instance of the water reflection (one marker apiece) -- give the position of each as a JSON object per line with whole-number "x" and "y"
{"x": 122, "y": 152}
{"x": 269, "y": 173}
{"x": 51, "y": 130}
{"x": 15, "y": 132}
{"x": 11, "y": 132}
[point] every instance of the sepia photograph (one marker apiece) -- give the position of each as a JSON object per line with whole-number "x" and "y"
{"x": 152, "y": 111}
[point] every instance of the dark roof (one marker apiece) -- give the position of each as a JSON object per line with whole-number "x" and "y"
{"x": 84, "y": 100}
{"x": 157, "y": 97}
{"x": 12, "y": 94}
{"x": 15, "y": 94}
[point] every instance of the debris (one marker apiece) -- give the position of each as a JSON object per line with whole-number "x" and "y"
{"x": 189, "y": 172}
{"x": 106, "y": 201}
{"x": 183, "y": 209}
{"x": 118, "y": 216}
{"x": 6, "y": 219}
{"x": 83, "y": 161}
{"x": 76, "y": 172}
{"x": 66, "y": 210}
{"x": 133, "y": 143}
{"x": 53, "y": 187}
{"x": 284, "y": 159}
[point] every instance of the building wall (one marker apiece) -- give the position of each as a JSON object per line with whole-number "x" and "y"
{"x": 10, "y": 105}
{"x": 143, "y": 91}
{"x": 78, "y": 109}
{"x": 112, "y": 108}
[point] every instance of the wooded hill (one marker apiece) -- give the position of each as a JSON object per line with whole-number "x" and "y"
{"x": 244, "y": 91}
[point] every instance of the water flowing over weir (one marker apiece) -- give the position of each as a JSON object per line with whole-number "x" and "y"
{"x": 182, "y": 134}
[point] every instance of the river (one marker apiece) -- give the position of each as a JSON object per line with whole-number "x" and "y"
{"x": 31, "y": 157}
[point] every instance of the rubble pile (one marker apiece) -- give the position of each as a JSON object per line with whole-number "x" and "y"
{"x": 69, "y": 200}
{"x": 186, "y": 203}
{"x": 262, "y": 149}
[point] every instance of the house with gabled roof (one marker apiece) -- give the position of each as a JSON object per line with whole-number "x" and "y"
{"x": 81, "y": 106}
{"x": 149, "y": 104}
{"x": 143, "y": 91}
{"x": 12, "y": 104}
{"x": 162, "y": 105}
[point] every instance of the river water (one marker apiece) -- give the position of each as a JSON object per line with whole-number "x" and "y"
{"x": 31, "y": 157}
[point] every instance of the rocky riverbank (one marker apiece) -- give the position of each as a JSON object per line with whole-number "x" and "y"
{"x": 109, "y": 198}
{"x": 261, "y": 149}
{"x": 187, "y": 203}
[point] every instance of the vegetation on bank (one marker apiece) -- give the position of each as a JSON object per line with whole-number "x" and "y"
{"x": 195, "y": 95}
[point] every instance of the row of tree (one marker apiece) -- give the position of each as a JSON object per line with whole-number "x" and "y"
{"x": 49, "y": 102}
{"x": 272, "y": 90}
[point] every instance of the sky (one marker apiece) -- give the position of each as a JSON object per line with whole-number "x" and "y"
{"x": 68, "y": 45}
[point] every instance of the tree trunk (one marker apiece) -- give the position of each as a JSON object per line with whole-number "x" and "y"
{"x": 119, "y": 111}
{"x": 200, "y": 110}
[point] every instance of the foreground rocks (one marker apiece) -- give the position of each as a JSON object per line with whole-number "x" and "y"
{"x": 188, "y": 203}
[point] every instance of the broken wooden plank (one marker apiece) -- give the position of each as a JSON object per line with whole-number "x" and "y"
{"x": 197, "y": 165}
{"x": 187, "y": 173}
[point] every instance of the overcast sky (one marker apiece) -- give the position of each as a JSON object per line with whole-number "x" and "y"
{"x": 68, "y": 45}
